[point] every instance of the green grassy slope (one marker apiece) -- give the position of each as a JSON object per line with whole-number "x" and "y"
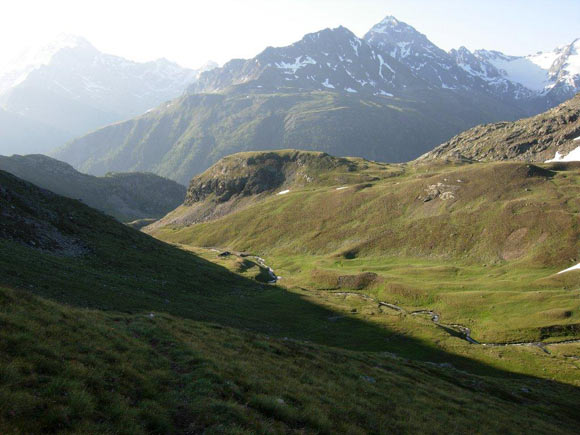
{"x": 121, "y": 348}
{"x": 479, "y": 244}
{"x": 62, "y": 249}
{"x": 482, "y": 213}
{"x": 188, "y": 135}
{"x": 126, "y": 196}
{"x": 78, "y": 371}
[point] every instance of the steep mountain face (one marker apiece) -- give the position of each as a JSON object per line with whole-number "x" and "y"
{"x": 330, "y": 91}
{"x": 329, "y": 59}
{"x": 425, "y": 59}
{"x": 126, "y": 197}
{"x": 90, "y": 89}
{"x": 550, "y": 136}
{"x": 534, "y": 83}
{"x": 390, "y": 96}
{"x": 192, "y": 133}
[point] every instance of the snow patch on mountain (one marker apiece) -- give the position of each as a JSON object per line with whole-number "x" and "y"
{"x": 576, "y": 267}
{"x": 526, "y": 71}
{"x": 542, "y": 71}
{"x": 327, "y": 84}
{"x": 572, "y": 156}
{"x": 296, "y": 65}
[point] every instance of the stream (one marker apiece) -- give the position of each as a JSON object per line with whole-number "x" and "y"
{"x": 259, "y": 260}
{"x": 454, "y": 329}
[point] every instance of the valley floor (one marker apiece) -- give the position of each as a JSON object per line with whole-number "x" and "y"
{"x": 487, "y": 315}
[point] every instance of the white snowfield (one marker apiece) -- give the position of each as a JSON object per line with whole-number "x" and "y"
{"x": 536, "y": 71}
{"x": 284, "y": 192}
{"x": 525, "y": 71}
{"x": 341, "y": 188}
{"x": 569, "y": 269}
{"x": 572, "y": 156}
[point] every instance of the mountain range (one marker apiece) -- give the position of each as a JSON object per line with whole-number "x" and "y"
{"x": 71, "y": 88}
{"x": 438, "y": 295}
{"x": 390, "y": 96}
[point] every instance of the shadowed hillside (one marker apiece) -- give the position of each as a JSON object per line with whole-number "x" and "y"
{"x": 125, "y": 196}
{"x": 130, "y": 368}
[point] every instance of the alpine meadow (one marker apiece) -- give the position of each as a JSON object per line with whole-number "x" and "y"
{"x": 361, "y": 229}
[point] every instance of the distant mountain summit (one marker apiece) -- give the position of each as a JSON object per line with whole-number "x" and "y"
{"x": 390, "y": 96}
{"x": 425, "y": 59}
{"x": 333, "y": 59}
{"x": 534, "y": 83}
{"x": 16, "y": 71}
{"x": 73, "y": 88}
{"x": 551, "y": 77}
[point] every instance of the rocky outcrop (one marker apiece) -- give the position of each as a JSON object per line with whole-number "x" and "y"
{"x": 247, "y": 174}
{"x": 24, "y": 219}
{"x": 536, "y": 139}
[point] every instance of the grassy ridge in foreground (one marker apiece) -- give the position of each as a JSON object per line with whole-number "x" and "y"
{"x": 80, "y": 371}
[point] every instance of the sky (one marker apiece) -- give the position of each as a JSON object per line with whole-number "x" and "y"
{"x": 193, "y": 32}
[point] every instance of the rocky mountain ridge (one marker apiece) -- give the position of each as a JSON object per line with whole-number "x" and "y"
{"x": 239, "y": 180}
{"x": 333, "y": 59}
{"x": 390, "y": 96}
{"x": 550, "y": 136}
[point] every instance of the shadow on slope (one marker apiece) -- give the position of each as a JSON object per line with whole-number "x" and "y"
{"x": 117, "y": 269}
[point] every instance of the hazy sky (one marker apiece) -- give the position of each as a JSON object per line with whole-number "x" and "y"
{"x": 192, "y": 32}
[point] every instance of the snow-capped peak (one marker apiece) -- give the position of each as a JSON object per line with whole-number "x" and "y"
{"x": 16, "y": 71}
{"x": 390, "y": 20}
{"x": 67, "y": 40}
{"x": 391, "y": 24}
